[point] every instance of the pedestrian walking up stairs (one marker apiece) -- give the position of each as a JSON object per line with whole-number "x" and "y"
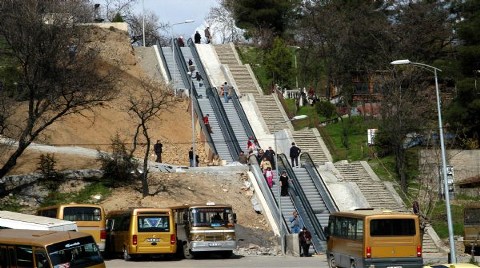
{"x": 308, "y": 137}
{"x": 379, "y": 197}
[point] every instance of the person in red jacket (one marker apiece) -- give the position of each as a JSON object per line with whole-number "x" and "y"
{"x": 305, "y": 239}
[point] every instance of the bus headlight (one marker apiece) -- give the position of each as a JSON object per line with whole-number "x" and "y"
{"x": 229, "y": 237}
{"x": 198, "y": 238}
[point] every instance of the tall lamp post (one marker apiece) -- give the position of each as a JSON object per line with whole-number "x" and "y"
{"x": 442, "y": 148}
{"x": 143, "y": 22}
{"x": 282, "y": 235}
{"x": 173, "y": 49}
{"x": 193, "y": 120}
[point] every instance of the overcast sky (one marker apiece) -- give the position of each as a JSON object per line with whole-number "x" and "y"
{"x": 174, "y": 11}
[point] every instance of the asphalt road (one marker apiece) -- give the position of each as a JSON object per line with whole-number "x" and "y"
{"x": 237, "y": 261}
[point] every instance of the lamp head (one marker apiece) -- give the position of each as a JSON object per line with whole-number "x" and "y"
{"x": 399, "y": 62}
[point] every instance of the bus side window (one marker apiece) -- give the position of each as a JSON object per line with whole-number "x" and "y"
{"x": 41, "y": 259}
{"x": 3, "y": 257}
{"x": 24, "y": 256}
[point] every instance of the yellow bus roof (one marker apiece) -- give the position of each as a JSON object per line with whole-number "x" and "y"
{"x": 202, "y": 205}
{"x": 72, "y": 205}
{"x": 135, "y": 211}
{"x": 36, "y": 238}
{"x": 362, "y": 213}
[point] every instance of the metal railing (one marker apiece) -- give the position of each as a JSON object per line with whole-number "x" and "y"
{"x": 307, "y": 162}
{"x": 193, "y": 95}
{"x": 222, "y": 118}
{"x": 230, "y": 138}
{"x": 164, "y": 61}
{"x": 243, "y": 117}
{"x": 302, "y": 204}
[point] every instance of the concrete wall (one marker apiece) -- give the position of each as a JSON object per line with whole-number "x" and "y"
{"x": 466, "y": 164}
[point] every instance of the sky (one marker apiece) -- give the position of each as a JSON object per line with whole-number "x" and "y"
{"x": 175, "y": 11}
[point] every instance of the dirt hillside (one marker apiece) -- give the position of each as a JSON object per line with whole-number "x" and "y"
{"x": 95, "y": 129}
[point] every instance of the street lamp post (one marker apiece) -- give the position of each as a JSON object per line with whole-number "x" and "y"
{"x": 442, "y": 148}
{"x": 282, "y": 235}
{"x": 143, "y": 22}
{"x": 193, "y": 120}
{"x": 173, "y": 49}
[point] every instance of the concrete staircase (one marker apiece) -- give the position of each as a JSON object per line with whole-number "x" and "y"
{"x": 376, "y": 193}
{"x": 378, "y": 196}
{"x": 305, "y": 139}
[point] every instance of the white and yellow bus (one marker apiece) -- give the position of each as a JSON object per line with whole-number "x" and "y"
{"x": 90, "y": 219}
{"x": 471, "y": 228}
{"x": 52, "y": 249}
{"x": 373, "y": 238}
{"x": 206, "y": 227}
{"x": 140, "y": 232}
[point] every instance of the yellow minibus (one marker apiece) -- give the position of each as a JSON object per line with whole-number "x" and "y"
{"x": 471, "y": 228}
{"x": 52, "y": 249}
{"x": 141, "y": 231}
{"x": 373, "y": 238}
{"x": 207, "y": 227}
{"x": 90, "y": 219}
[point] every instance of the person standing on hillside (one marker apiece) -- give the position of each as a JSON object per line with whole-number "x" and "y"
{"x": 207, "y": 34}
{"x": 197, "y": 37}
{"x": 158, "y": 149}
{"x": 294, "y": 154}
{"x": 190, "y": 156}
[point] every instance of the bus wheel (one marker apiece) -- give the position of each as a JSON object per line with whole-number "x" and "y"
{"x": 352, "y": 264}
{"x": 187, "y": 253}
{"x": 331, "y": 262}
{"x": 226, "y": 254}
{"x": 126, "y": 255}
{"x": 468, "y": 249}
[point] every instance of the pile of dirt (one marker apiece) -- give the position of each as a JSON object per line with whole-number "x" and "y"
{"x": 96, "y": 128}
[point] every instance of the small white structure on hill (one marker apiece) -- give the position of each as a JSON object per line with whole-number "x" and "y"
{"x": 14, "y": 220}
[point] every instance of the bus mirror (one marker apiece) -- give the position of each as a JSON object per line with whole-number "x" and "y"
{"x": 185, "y": 217}
{"x": 235, "y": 217}
{"x": 325, "y": 231}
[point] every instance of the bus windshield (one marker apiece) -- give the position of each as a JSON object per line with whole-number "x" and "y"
{"x": 81, "y": 214}
{"x": 212, "y": 217}
{"x": 472, "y": 216}
{"x": 154, "y": 223}
{"x": 81, "y": 252}
{"x": 392, "y": 227}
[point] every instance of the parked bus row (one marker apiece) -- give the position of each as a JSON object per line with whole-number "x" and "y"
{"x": 184, "y": 230}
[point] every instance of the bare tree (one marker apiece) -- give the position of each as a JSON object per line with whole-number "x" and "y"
{"x": 112, "y": 8}
{"x": 407, "y": 107}
{"x": 59, "y": 68}
{"x": 221, "y": 21}
{"x": 144, "y": 105}
{"x": 152, "y": 28}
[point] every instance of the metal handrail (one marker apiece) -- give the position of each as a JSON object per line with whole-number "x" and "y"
{"x": 164, "y": 62}
{"x": 194, "y": 97}
{"x": 307, "y": 162}
{"x": 272, "y": 203}
{"x": 182, "y": 67}
{"x": 229, "y": 134}
{"x": 302, "y": 205}
{"x": 231, "y": 138}
{"x": 243, "y": 117}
